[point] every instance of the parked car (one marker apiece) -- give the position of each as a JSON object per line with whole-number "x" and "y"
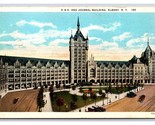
{"x": 141, "y": 98}
{"x": 98, "y": 109}
{"x": 15, "y": 100}
{"x": 131, "y": 94}
{"x": 90, "y": 109}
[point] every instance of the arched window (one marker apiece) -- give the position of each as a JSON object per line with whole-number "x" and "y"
{"x": 92, "y": 72}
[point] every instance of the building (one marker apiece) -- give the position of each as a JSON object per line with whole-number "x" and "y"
{"x": 21, "y": 72}
{"x": 78, "y": 47}
{"x": 32, "y": 72}
{"x": 3, "y": 79}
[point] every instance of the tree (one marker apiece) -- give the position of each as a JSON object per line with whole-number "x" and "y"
{"x": 90, "y": 90}
{"x": 40, "y": 100}
{"x": 74, "y": 98}
{"x": 73, "y": 105}
{"x": 117, "y": 89}
{"x": 107, "y": 91}
{"x": 109, "y": 88}
{"x": 84, "y": 96}
{"x": 94, "y": 97}
{"x": 103, "y": 96}
{"x": 128, "y": 85}
{"x": 100, "y": 92}
{"x": 73, "y": 87}
{"x": 51, "y": 89}
{"x": 64, "y": 86}
{"x": 121, "y": 87}
{"x": 57, "y": 86}
{"x": 60, "y": 102}
{"x": 81, "y": 90}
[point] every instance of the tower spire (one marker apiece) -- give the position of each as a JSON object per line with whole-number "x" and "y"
{"x": 148, "y": 41}
{"x": 71, "y": 35}
{"x": 78, "y": 24}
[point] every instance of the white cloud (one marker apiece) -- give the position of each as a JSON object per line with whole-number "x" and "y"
{"x": 35, "y": 23}
{"x": 32, "y": 45}
{"x": 56, "y": 42}
{"x": 55, "y": 33}
{"x": 141, "y": 41}
{"x": 97, "y": 39}
{"x": 136, "y": 41}
{"x": 122, "y": 37}
{"x": 104, "y": 28}
{"x": 109, "y": 44}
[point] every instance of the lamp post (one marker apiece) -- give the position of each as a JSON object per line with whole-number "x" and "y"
{"x": 66, "y": 106}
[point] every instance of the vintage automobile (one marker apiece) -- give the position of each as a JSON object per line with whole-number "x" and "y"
{"x": 131, "y": 94}
{"x": 98, "y": 109}
{"x": 141, "y": 98}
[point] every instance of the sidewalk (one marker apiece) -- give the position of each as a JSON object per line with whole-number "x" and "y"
{"x": 111, "y": 98}
{"x": 48, "y": 104}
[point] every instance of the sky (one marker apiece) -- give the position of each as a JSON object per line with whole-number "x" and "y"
{"x": 112, "y": 36}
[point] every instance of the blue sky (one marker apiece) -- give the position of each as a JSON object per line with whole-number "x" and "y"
{"x": 112, "y": 36}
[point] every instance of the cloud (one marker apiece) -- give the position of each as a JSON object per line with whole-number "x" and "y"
{"x": 122, "y": 37}
{"x": 35, "y": 23}
{"x": 95, "y": 39}
{"x": 141, "y": 40}
{"x": 33, "y": 45}
{"x": 109, "y": 44}
{"x": 56, "y": 42}
{"x": 104, "y": 28}
{"x": 55, "y": 33}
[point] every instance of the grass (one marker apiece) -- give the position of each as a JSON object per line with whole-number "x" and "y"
{"x": 113, "y": 89}
{"x": 67, "y": 99}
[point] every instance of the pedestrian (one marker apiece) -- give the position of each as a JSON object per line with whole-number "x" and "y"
{"x": 79, "y": 110}
{"x": 116, "y": 97}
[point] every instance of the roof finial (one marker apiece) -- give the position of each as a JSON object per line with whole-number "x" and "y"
{"x": 148, "y": 41}
{"x": 71, "y": 35}
{"x": 87, "y": 36}
{"x": 78, "y": 24}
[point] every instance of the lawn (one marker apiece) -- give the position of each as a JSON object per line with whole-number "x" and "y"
{"x": 113, "y": 90}
{"x": 67, "y": 100}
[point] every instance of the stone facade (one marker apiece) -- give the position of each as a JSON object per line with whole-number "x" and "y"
{"x": 78, "y": 46}
{"x": 3, "y": 86}
{"x": 29, "y": 72}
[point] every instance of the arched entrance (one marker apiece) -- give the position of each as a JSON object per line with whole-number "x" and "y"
{"x": 92, "y": 81}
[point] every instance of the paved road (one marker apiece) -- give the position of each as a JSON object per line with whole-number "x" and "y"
{"x": 27, "y": 101}
{"x": 133, "y": 105}
{"x": 107, "y": 102}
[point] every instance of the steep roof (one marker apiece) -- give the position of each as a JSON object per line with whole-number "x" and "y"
{"x": 134, "y": 59}
{"x": 78, "y": 32}
{"x": 113, "y": 63}
{"x": 148, "y": 50}
{"x": 23, "y": 60}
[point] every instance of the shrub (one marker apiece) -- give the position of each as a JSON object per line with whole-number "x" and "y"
{"x": 73, "y": 105}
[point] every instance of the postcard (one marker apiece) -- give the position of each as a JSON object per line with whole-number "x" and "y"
{"x": 77, "y": 61}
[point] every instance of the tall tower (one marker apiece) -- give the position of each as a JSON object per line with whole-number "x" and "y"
{"x": 78, "y": 47}
{"x": 148, "y": 57}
